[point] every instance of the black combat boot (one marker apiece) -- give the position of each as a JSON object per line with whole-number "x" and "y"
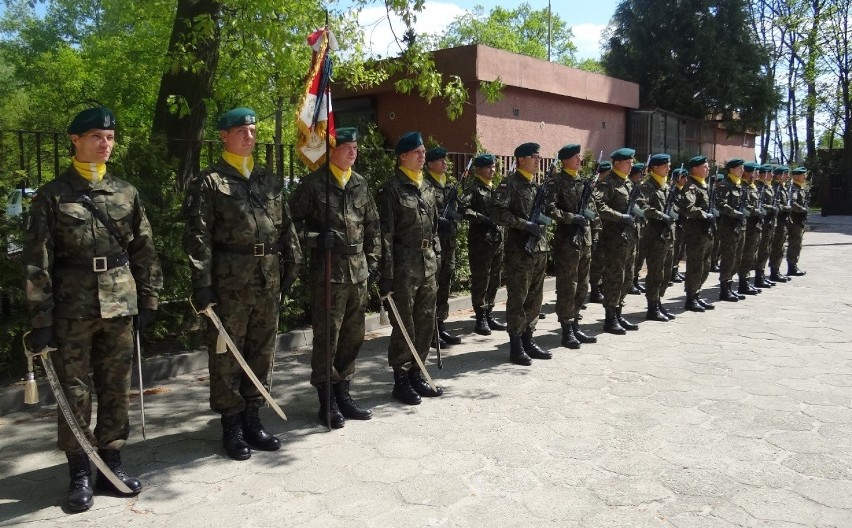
{"x": 714, "y": 266}
{"x": 112, "y": 458}
{"x": 654, "y": 313}
{"x": 627, "y": 325}
{"x": 595, "y": 295}
{"x": 402, "y": 389}
{"x": 569, "y": 340}
{"x": 349, "y": 408}
{"x": 331, "y": 413}
{"x": 664, "y": 311}
{"x": 692, "y": 303}
{"x": 745, "y": 288}
{"x": 676, "y": 277}
{"x": 493, "y": 324}
{"x": 80, "y": 491}
{"x": 481, "y": 324}
{"x": 725, "y": 293}
{"x": 420, "y": 386}
{"x": 446, "y": 337}
{"x": 794, "y": 271}
{"x": 611, "y": 325}
{"x": 776, "y": 276}
{"x": 638, "y": 285}
{"x": 760, "y": 280}
{"x": 232, "y": 437}
{"x": 516, "y": 351}
{"x": 582, "y": 337}
{"x": 254, "y": 433}
{"x": 707, "y": 305}
{"x": 531, "y": 347}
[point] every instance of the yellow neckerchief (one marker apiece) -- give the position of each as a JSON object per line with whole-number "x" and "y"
{"x": 622, "y": 175}
{"x": 737, "y": 180}
{"x": 487, "y": 183}
{"x": 243, "y": 164}
{"x": 527, "y": 175}
{"x": 440, "y": 178}
{"x": 799, "y": 185}
{"x": 571, "y": 172}
{"x": 660, "y": 179}
{"x": 416, "y": 177}
{"x": 342, "y": 176}
{"x": 94, "y": 172}
{"x": 700, "y": 180}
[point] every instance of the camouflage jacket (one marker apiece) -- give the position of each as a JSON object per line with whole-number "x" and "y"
{"x": 474, "y": 206}
{"x": 780, "y": 192}
{"x": 409, "y": 220}
{"x": 729, "y": 196}
{"x": 564, "y": 194}
{"x": 798, "y": 204}
{"x": 226, "y": 215}
{"x": 442, "y": 195}
{"x": 611, "y": 198}
{"x": 65, "y": 243}
{"x": 766, "y": 193}
{"x": 694, "y": 199}
{"x": 352, "y": 217}
{"x": 752, "y": 195}
{"x": 654, "y": 196}
{"x": 511, "y": 206}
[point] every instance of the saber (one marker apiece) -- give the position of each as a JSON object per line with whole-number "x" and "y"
{"x": 414, "y": 353}
{"x": 138, "y": 344}
{"x": 239, "y": 357}
{"x": 438, "y": 345}
{"x": 73, "y": 424}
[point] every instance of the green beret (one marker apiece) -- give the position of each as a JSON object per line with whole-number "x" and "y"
{"x": 568, "y": 151}
{"x": 764, "y": 168}
{"x": 604, "y": 166}
{"x": 637, "y": 167}
{"x": 622, "y": 154}
{"x": 696, "y": 161}
{"x": 659, "y": 159}
{"x": 236, "y": 117}
{"x": 346, "y": 135}
{"x": 435, "y": 153}
{"x": 526, "y": 149}
{"x": 750, "y": 167}
{"x": 780, "y": 169}
{"x": 679, "y": 172}
{"x": 799, "y": 171}
{"x": 408, "y": 142}
{"x": 99, "y": 117}
{"x": 483, "y": 160}
{"x": 734, "y": 163}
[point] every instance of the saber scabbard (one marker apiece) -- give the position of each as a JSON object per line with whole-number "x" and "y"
{"x": 414, "y": 353}
{"x": 137, "y": 343}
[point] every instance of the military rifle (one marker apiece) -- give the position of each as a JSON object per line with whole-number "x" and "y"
{"x": 583, "y": 209}
{"x": 450, "y": 211}
{"x": 537, "y": 215}
{"x": 711, "y": 203}
{"x": 742, "y": 209}
{"x": 632, "y": 210}
{"x": 668, "y": 207}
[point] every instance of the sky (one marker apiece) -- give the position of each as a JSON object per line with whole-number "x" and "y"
{"x": 587, "y": 20}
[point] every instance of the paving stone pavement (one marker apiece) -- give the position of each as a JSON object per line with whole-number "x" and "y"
{"x": 737, "y": 417}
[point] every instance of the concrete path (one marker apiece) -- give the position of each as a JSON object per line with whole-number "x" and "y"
{"x": 737, "y": 417}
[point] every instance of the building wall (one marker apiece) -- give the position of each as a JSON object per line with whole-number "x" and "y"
{"x": 734, "y": 146}
{"x": 397, "y": 114}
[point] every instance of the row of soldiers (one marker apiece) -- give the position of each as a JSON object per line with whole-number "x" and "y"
{"x": 92, "y": 273}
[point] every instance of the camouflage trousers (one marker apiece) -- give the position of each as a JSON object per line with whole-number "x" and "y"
{"x": 699, "y": 243}
{"x": 619, "y": 252}
{"x": 486, "y": 263}
{"x": 346, "y": 324}
{"x": 104, "y": 348}
{"x": 444, "y": 277}
{"x": 659, "y": 254}
{"x": 597, "y": 265}
{"x": 251, "y": 319}
{"x": 716, "y": 252}
{"x": 776, "y": 252}
{"x": 524, "y": 290}
{"x": 572, "y": 277}
{"x": 415, "y": 300}
{"x": 796, "y": 233}
{"x": 765, "y": 245}
{"x": 678, "y": 245}
{"x": 731, "y": 237}
{"x": 751, "y": 244}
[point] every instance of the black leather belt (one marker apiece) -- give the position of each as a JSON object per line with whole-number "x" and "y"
{"x": 423, "y": 245}
{"x": 257, "y": 250}
{"x": 95, "y": 264}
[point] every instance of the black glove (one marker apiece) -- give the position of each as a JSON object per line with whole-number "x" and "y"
{"x": 443, "y": 223}
{"x": 385, "y": 287}
{"x": 580, "y": 220}
{"x": 325, "y": 239}
{"x": 628, "y": 220}
{"x": 533, "y": 228}
{"x": 203, "y": 297}
{"x": 41, "y": 337}
{"x": 146, "y": 315}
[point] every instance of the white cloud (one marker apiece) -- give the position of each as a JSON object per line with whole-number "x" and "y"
{"x": 587, "y": 38}
{"x": 379, "y": 38}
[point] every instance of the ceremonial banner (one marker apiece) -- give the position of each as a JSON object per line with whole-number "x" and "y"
{"x": 315, "y": 118}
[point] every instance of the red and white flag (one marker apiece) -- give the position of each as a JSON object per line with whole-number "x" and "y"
{"x": 315, "y": 118}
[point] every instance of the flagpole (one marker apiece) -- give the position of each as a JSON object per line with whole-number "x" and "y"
{"x": 327, "y": 251}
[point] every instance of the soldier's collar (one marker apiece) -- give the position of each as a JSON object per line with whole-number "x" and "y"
{"x": 571, "y": 172}
{"x": 487, "y": 183}
{"x": 660, "y": 179}
{"x": 441, "y": 179}
{"x": 622, "y": 175}
{"x": 527, "y": 175}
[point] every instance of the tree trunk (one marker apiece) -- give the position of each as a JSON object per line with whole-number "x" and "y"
{"x": 181, "y": 112}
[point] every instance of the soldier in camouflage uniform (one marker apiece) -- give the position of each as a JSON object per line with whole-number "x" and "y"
{"x": 698, "y": 231}
{"x": 351, "y": 234}
{"x": 753, "y": 228}
{"x": 731, "y": 203}
{"x": 658, "y": 236}
{"x": 637, "y": 176}
{"x": 243, "y": 256}
{"x": 597, "y": 265}
{"x": 409, "y": 262}
{"x": 572, "y": 245}
{"x": 90, "y": 268}
{"x": 798, "y": 216}
{"x": 764, "y": 187}
{"x": 618, "y": 239}
{"x": 436, "y": 176}
{"x": 484, "y": 243}
{"x": 782, "y": 224}
{"x": 511, "y": 208}
{"x": 678, "y": 244}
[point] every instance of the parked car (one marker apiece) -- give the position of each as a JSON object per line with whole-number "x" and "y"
{"x": 17, "y": 206}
